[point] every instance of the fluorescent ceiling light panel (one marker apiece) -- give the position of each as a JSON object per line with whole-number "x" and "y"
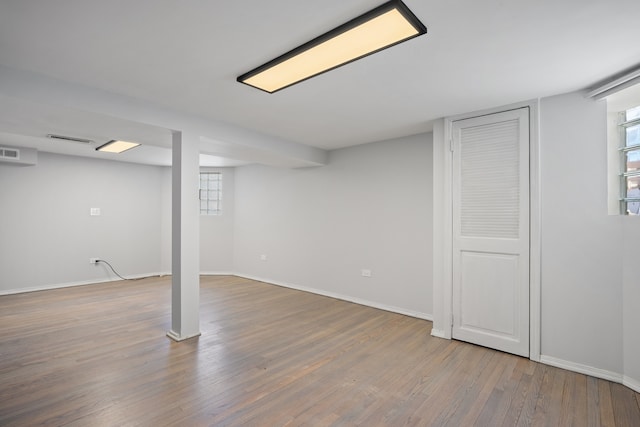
{"x": 378, "y": 29}
{"x": 116, "y": 146}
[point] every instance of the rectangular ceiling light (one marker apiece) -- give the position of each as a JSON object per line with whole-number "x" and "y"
{"x": 117, "y": 146}
{"x": 378, "y": 29}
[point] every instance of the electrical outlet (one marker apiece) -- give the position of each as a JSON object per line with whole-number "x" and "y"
{"x": 93, "y": 260}
{"x": 263, "y": 257}
{"x": 366, "y": 273}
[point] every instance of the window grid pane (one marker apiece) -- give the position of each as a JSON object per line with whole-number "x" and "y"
{"x": 633, "y": 113}
{"x": 633, "y": 192}
{"x": 632, "y": 161}
{"x": 210, "y": 193}
{"x": 633, "y": 135}
{"x": 631, "y": 164}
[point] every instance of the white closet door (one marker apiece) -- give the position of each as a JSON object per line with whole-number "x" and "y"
{"x": 491, "y": 231}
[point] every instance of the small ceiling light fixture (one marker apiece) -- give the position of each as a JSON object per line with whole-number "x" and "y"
{"x": 378, "y": 29}
{"x": 117, "y": 146}
{"x": 69, "y": 138}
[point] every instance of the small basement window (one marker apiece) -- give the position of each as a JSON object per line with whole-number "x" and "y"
{"x": 630, "y": 161}
{"x": 210, "y": 193}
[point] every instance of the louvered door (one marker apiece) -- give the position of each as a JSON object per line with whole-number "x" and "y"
{"x": 491, "y": 231}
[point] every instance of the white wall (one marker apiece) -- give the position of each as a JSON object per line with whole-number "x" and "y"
{"x": 581, "y": 277}
{"x": 216, "y": 231}
{"x": 631, "y": 301}
{"x": 369, "y": 208}
{"x": 165, "y": 221}
{"x": 48, "y": 235}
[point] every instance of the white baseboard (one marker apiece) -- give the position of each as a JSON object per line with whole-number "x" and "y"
{"x": 582, "y": 369}
{"x": 49, "y": 287}
{"x": 633, "y": 384}
{"x": 177, "y": 337}
{"x": 204, "y": 273}
{"x": 615, "y": 377}
{"x": 72, "y": 284}
{"x": 411, "y": 313}
{"x": 216, "y": 273}
{"x": 106, "y": 280}
{"x": 438, "y": 333}
{"x": 385, "y": 307}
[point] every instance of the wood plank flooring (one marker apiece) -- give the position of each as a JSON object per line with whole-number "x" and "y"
{"x": 268, "y": 356}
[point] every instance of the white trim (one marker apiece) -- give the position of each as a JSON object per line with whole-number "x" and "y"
{"x": 439, "y": 333}
{"x": 72, "y": 284}
{"x": 442, "y": 232}
{"x": 205, "y": 273}
{"x": 535, "y": 220}
{"x": 385, "y": 307}
{"x": 217, "y": 273}
{"x": 106, "y": 280}
{"x": 176, "y": 337}
{"x": 442, "y": 220}
{"x": 581, "y": 369}
{"x": 448, "y": 229}
{"x": 633, "y": 384}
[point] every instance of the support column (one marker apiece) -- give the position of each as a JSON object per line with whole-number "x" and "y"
{"x": 185, "y": 243}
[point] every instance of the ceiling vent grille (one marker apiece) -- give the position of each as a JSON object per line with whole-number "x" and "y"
{"x": 69, "y": 138}
{"x": 9, "y": 153}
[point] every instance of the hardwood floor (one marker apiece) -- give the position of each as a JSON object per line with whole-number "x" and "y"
{"x": 268, "y": 356}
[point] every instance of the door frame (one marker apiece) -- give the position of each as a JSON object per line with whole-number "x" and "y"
{"x": 443, "y": 223}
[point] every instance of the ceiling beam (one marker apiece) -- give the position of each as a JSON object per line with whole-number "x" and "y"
{"x": 236, "y": 140}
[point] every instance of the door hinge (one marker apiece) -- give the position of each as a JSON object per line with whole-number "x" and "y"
{"x": 451, "y": 144}
{"x": 451, "y": 319}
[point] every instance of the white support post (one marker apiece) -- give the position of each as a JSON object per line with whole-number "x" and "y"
{"x": 185, "y": 243}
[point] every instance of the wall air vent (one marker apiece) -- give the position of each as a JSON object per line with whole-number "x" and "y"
{"x": 9, "y": 153}
{"x": 69, "y": 138}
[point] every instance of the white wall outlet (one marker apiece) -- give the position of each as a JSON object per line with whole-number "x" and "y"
{"x": 93, "y": 260}
{"x": 94, "y": 212}
{"x": 263, "y": 257}
{"x": 366, "y": 273}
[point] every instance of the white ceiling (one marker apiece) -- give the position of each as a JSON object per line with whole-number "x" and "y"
{"x": 186, "y": 55}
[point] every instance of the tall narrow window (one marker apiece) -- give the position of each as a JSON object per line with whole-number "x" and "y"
{"x": 210, "y": 193}
{"x": 630, "y": 135}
